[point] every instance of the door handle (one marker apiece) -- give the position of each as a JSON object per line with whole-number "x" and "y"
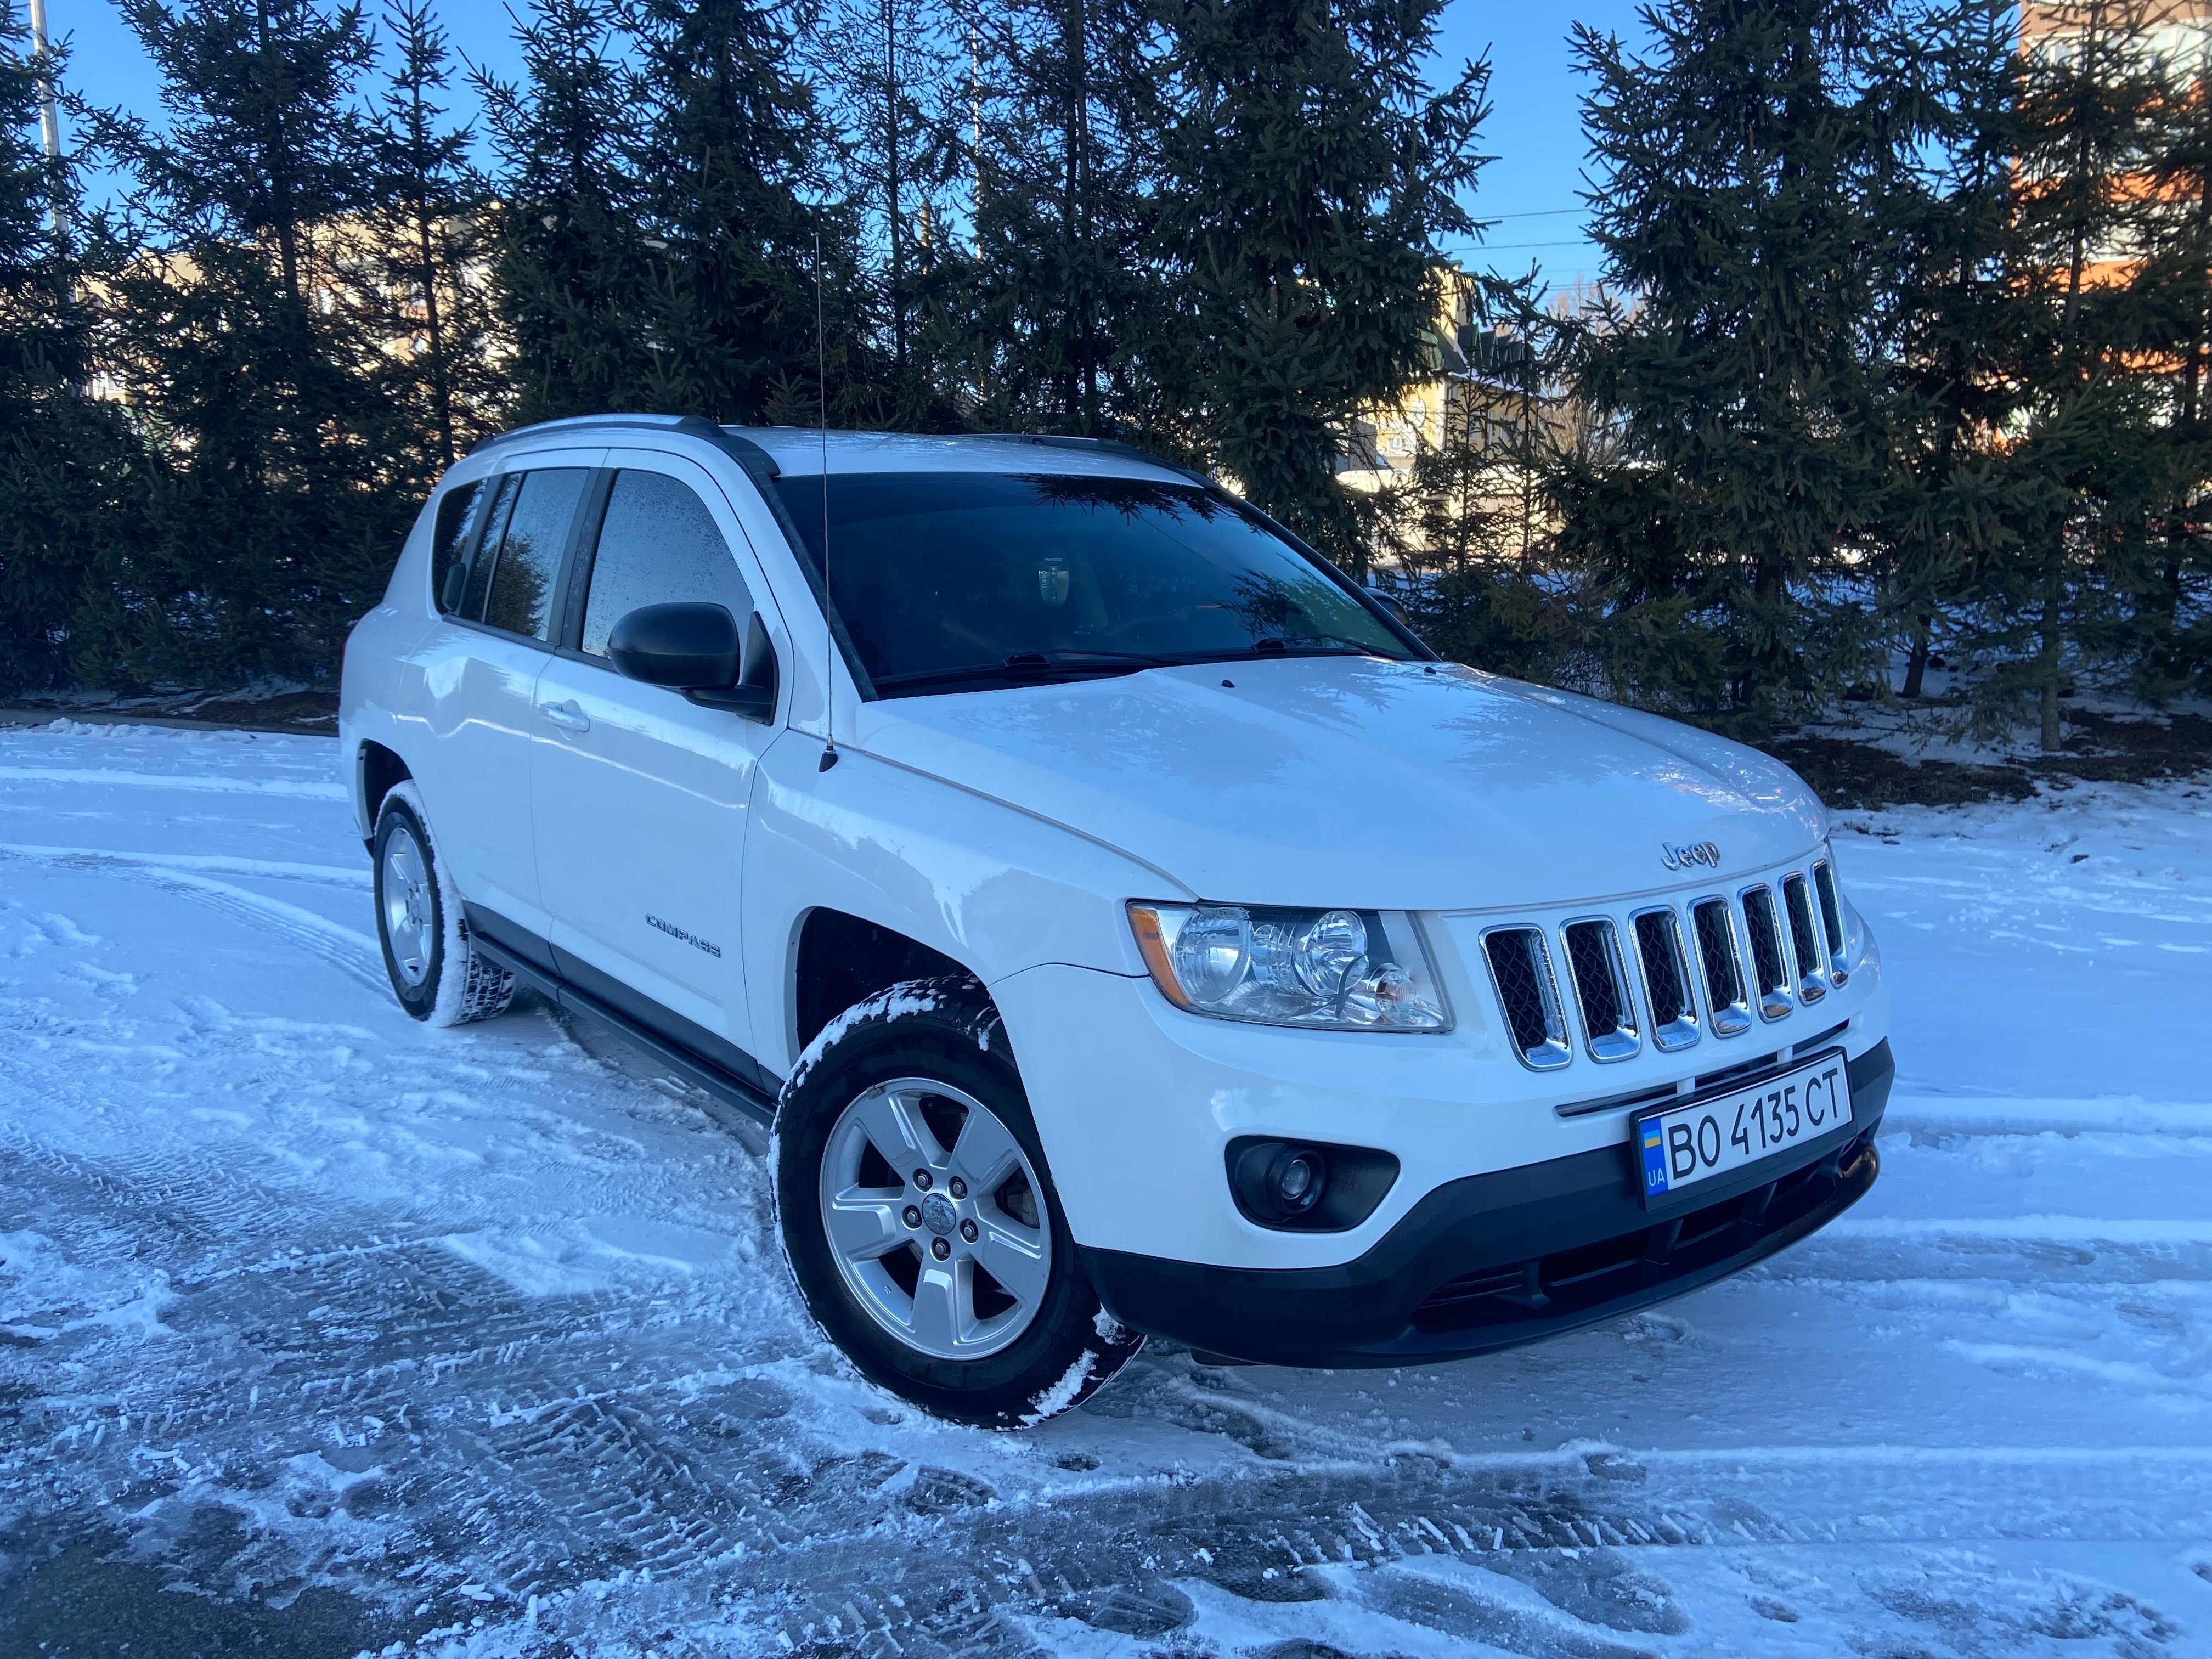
{"x": 565, "y": 715}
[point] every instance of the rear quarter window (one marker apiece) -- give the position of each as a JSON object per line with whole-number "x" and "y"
{"x": 457, "y": 512}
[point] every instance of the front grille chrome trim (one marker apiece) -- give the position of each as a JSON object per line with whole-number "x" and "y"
{"x": 1611, "y": 1030}
{"x": 1831, "y": 921}
{"x": 1806, "y": 948}
{"x": 1770, "y": 963}
{"x": 1529, "y": 996}
{"x": 1669, "y": 989}
{"x": 1720, "y": 954}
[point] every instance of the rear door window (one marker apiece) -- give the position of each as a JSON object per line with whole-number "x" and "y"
{"x": 532, "y": 542}
{"x": 658, "y": 544}
{"x": 496, "y": 516}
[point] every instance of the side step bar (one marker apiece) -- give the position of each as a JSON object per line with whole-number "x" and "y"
{"x": 756, "y": 1108}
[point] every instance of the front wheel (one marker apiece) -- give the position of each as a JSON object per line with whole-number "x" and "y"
{"x": 920, "y": 1219}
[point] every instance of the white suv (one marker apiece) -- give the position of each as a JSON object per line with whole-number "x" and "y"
{"x": 1125, "y": 923}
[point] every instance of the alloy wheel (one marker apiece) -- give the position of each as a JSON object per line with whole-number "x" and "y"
{"x": 408, "y": 911}
{"x": 935, "y": 1219}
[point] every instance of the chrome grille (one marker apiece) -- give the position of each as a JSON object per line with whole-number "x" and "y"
{"x": 1831, "y": 921}
{"x": 1521, "y": 967}
{"x": 1714, "y": 924}
{"x": 1607, "y": 985}
{"x": 1805, "y": 939}
{"x": 1608, "y": 1010}
{"x": 1770, "y": 970}
{"x": 1666, "y": 979}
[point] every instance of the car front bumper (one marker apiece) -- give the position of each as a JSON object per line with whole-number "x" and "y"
{"x": 1507, "y": 1256}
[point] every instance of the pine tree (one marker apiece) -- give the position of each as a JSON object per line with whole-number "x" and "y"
{"x": 1059, "y": 306}
{"x": 239, "y": 347}
{"x": 1944, "y": 325}
{"x": 575, "y": 284}
{"x": 66, "y": 498}
{"x": 884, "y": 72}
{"x": 1743, "y": 164}
{"x": 427, "y": 250}
{"x": 1465, "y": 517}
{"x": 1309, "y": 168}
{"x": 2173, "y": 644}
{"x": 731, "y": 185}
{"x": 2087, "y": 463}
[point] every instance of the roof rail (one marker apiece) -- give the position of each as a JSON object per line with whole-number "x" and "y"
{"x": 747, "y": 454}
{"x": 1096, "y": 446}
{"x": 759, "y": 464}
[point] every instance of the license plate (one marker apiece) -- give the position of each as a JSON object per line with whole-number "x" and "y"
{"x": 1684, "y": 1145}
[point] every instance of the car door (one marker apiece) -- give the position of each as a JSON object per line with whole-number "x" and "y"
{"x": 639, "y": 797}
{"x": 481, "y": 688}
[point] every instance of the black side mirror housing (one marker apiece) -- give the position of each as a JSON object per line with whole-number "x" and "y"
{"x": 696, "y": 648}
{"x": 1397, "y": 610}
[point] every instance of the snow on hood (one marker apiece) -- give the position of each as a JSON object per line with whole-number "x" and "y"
{"x": 1359, "y": 782}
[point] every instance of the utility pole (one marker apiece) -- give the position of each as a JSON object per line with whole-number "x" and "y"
{"x": 50, "y": 122}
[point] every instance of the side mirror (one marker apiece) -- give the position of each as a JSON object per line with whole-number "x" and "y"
{"x": 1397, "y": 610}
{"x": 695, "y": 649}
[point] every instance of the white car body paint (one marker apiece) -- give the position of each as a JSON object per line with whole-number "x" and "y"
{"x": 1008, "y": 829}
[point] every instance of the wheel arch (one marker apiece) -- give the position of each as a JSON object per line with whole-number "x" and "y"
{"x": 376, "y": 770}
{"x": 839, "y": 959}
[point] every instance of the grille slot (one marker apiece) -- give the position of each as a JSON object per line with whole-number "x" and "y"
{"x": 1770, "y": 971}
{"x": 1832, "y": 919}
{"x": 1521, "y": 967}
{"x": 1805, "y": 936}
{"x": 1714, "y": 924}
{"x": 1666, "y": 979}
{"x": 1602, "y": 989}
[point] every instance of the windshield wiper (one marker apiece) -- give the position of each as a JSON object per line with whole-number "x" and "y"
{"x": 1023, "y": 663}
{"x": 1274, "y": 644}
{"x": 1084, "y": 659}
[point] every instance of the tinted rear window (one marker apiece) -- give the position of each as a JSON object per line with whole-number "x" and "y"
{"x": 530, "y": 548}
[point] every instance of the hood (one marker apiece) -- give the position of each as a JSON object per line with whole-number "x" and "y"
{"x": 1322, "y": 780}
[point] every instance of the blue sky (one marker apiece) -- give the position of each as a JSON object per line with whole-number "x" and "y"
{"x": 1531, "y": 189}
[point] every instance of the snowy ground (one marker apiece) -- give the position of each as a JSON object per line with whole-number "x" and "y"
{"x": 322, "y": 1331}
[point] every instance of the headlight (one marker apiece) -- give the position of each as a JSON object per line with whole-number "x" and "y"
{"x": 1339, "y": 970}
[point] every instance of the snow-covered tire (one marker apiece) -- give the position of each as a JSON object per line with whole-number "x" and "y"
{"x": 892, "y": 1245}
{"x": 435, "y": 972}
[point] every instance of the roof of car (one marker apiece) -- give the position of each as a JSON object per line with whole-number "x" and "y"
{"x": 803, "y": 451}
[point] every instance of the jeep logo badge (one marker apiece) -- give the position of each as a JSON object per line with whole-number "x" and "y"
{"x": 1689, "y": 854}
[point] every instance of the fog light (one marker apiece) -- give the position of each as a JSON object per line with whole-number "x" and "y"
{"x": 1297, "y": 1177}
{"x": 1306, "y": 1187}
{"x": 1277, "y": 1181}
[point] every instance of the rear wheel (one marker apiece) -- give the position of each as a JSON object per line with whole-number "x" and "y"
{"x": 435, "y": 969}
{"x": 920, "y": 1217}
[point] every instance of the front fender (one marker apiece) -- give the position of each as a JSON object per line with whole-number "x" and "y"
{"x": 995, "y": 888}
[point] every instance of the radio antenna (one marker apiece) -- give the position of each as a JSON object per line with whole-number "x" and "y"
{"x": 828, "y": 627}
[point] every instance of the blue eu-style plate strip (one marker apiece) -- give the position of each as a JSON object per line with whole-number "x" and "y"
{"x": 1655, "y": 1157}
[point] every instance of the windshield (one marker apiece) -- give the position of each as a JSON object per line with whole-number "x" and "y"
{"x": 949, "y": 581}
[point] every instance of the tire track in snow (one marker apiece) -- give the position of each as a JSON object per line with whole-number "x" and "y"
{"x": 291, "y": 788}
{"x": 93, "y": 858}
{"x": 356, "y": 955}
{"x": 537, "y": 1477}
